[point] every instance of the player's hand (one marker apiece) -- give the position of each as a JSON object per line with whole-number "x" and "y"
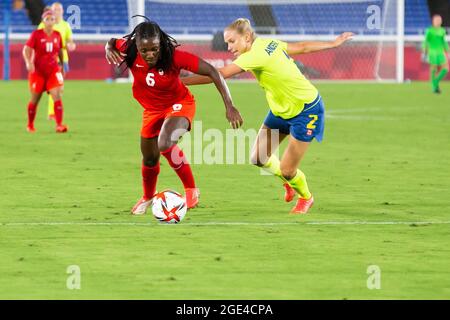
{"x": 71, "y": 46}
{"x": 343, "y": 37}
{"x": 65, "y": 67}
{"x": 113, "y": 55}
{"x": 30, "y": 67}
{"x": 234, "y": 117}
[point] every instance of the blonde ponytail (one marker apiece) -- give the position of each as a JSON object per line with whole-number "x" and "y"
{"x": 242, "y": 26}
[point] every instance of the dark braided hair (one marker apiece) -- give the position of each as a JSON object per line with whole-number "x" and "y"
{"x": 147, "y": 30}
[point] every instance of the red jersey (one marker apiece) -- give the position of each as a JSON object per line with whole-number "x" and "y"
{"x": 46, "y": 50}
{"x": 156, "y": 89}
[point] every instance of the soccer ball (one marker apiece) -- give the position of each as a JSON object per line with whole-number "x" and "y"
{"x": 169, "y": 206}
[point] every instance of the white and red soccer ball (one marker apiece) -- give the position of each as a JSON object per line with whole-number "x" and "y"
{"x": 169, "y": 206}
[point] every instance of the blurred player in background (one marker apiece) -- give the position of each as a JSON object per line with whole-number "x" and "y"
{"x": 41, "y": 54}
{"x": 434, "y": 50}
{"x": 63, "y": 27}
{"x": 169, "y": 107}
{"x": 296, "y": 108}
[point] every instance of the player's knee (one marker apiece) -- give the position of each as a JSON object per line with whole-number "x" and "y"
{"x": 34, "y": 100}
{"x": 164, "y": 143}
{"x": 150, "y": 161}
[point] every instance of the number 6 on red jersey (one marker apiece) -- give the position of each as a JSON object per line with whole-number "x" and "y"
{"x": 150, "y": 80}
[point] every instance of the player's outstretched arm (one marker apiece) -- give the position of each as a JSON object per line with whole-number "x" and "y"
{"x": 211, "y": 73}
{"x": 312, "y": 46}
{"x": 27, "y": 54}
{"x": 226, "y": 72}
{"x": 113, "y": 55}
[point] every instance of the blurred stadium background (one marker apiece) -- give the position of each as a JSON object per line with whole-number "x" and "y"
{"x": 386, "y": 48}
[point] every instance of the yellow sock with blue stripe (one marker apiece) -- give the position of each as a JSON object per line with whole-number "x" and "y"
{"x": 51, "y": 106}
{"x": 273, "y": 166}
{"x": 298, "y": 183}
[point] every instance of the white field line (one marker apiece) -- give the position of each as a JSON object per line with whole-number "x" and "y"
{"x": 366, "y": 114}
{"x": 354, "y": 114}
{"x": 354, "y": 110}
{"x": 358, "y": 118}
{"x": 194, "y": 224}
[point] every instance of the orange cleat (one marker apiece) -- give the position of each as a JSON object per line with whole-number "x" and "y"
{"x": 61, "y": 128}
{"x": 141, "y": 206}
{"x": 303, "y": 205}
{"x": 51, "y": 117}
{"x": 192, "y": 197}
{"x": 31, "y": 129}
{"x": 289, "y": 193}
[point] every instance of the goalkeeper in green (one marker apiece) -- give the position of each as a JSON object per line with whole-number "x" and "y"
{"x": 435, "y": 47}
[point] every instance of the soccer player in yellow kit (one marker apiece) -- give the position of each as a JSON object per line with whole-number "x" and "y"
{"x": 435, "y": 47}
{"x": 296, "y": 108}
{"x": 63, "y": 27}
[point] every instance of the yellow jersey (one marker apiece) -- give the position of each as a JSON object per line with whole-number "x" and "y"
{"x": 287, "y": 89}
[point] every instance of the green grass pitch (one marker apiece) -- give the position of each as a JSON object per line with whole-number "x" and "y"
{"x": 380, "y": 175}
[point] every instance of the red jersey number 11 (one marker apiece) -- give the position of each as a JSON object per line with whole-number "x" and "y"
{"x": 49, "y": 46}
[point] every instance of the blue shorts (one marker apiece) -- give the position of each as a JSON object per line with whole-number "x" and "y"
{"x": 307, "y": 125}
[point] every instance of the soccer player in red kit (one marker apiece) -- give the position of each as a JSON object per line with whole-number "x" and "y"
{"x": 45, "y": 46}
{"x": 169, "y": 107}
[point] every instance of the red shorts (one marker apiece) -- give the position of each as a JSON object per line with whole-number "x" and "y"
{"x": 40, "y": 83}
{"x": 152, "y": 121}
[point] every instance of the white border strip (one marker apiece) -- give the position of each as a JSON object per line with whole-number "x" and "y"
{"x": 243, "y": 2}
{"x": 209, "y": 37}
{"x": 196, "y": 224}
